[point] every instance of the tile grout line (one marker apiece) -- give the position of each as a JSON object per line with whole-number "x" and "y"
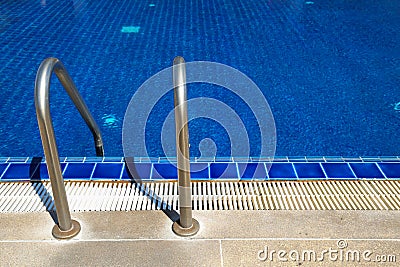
{"x": 199, "y": 239}
{"x": 220, "y": 252}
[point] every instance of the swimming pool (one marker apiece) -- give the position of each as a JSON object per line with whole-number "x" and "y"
{"x": 328, "y": 69}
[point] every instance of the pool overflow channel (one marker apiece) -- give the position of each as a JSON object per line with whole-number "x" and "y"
{"x": 67, "y": 228}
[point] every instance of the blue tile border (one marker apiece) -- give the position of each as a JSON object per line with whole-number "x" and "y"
{"x": 282, "y": 168}
{"x": 19, "y": 171}
{"x": 42, "y": 174}
{"x": 77, "y": 170}
{"x": 164, "y": 171}
{"x": 256, "y": 171}
{"x": 107, "y": 171}
{"x": 136, "y": 171}
{"x": 282, "y": 171}
{"x": 3, "y": 167}
{"x": 200, "y": 171}
{"x": 309, "y": 170}
{"x": 391, "y": 170}
{"x": 338, "y": 170}
{"x": 366, "y": 170}
{"x": 223, "y": 171}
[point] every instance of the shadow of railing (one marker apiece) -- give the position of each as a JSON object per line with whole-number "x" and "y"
{"x": 137, "y": 181}
{"x": 35, "y": 178}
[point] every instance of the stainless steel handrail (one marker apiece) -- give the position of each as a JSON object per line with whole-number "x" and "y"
{"x": 66, "y": 228}
{"x": 187, "y": 226}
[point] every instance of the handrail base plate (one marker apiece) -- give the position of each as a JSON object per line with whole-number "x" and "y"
{"x": 60, "y": 234}
{"x": 186, "y": 232}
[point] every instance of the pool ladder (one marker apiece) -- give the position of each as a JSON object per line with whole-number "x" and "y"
{"x": 67, "y": 228}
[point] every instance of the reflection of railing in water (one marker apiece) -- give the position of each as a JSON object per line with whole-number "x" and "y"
{"x": 186, "y": 226}
{"x": 66, "y": 227}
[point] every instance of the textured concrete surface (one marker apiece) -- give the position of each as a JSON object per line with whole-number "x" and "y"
{"x": 226, "y": 238}
{"x": 112, "y": 253}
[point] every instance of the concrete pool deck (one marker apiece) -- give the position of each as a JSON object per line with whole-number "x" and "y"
{"x": 226, "y": 238}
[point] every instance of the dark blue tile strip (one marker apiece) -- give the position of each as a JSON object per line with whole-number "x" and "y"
{"x": 252, "y": 171}
{"x": 136, "y": 171}
{"x": 338, "y": 170}
{"x": 282, "y": 171}
{"x": 169, "y": 171}
{"x": 78, "y": 170}
{"x": 19, "y": 171}
{"x": 223, "y": 171}
{"x": 309, "y": 170}
{"x": 42, "y": 172}
{"x": 33, "y": 171}
{"x": 3, "y": 166}
{"x": 164, "y": 171}
{"x": 390, "y": 170}
{"x": 107, "y": 171}
{"x": 27, "y": 169}
{"x": 366, "y": 170}
{"x": 199, "y": 171}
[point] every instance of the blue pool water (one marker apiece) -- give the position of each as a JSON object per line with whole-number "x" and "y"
{"x": 329, "y": 69}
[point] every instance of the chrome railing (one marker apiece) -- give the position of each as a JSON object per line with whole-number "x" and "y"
{"x": 66, "y": 227}
{"x": 187, "y": 226}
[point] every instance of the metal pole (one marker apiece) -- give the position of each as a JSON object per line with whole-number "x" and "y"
{"x": 187, "y": 226}
{"x": 66, "y": 227}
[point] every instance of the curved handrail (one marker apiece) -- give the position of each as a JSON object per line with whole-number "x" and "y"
{"x": 66, "y": 227}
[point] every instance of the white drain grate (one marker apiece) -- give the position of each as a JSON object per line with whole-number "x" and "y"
{"x": 213, "y": 195}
